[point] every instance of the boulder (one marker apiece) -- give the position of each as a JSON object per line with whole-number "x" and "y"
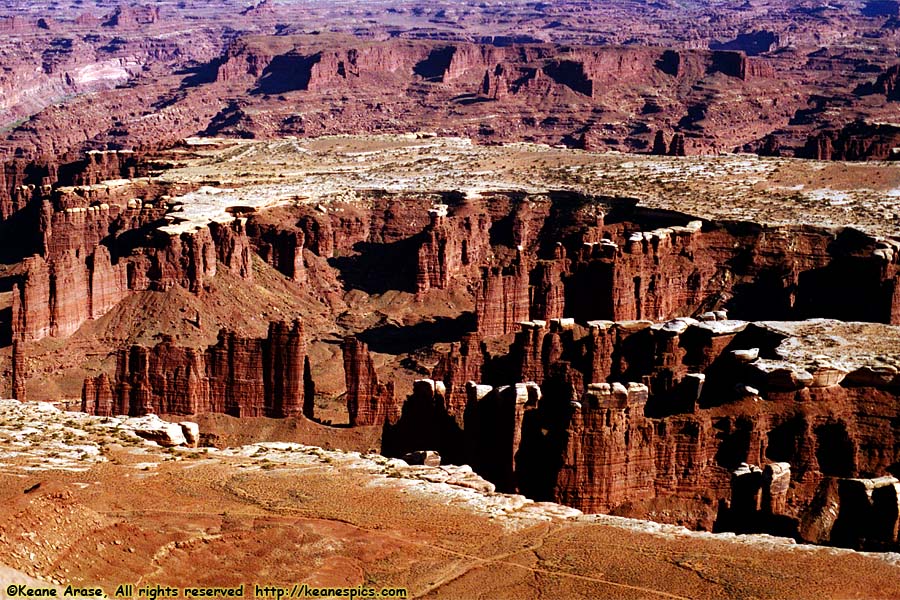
{"x": 429, "y": 458}
{"x": 151, "y": 427}
{"x": 191, "y": 433}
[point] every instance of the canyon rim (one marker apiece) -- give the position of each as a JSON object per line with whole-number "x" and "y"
{"x": 496, "y": 300}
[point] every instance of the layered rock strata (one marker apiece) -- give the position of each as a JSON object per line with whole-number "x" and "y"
{"x": 553, "y": 255}
{"x": 368, "y": 401}
{"x": 635, "y": 414}
{"x": 243, "y": 377}
{"x": 93, "y": 230}
{"x": 851, "y": 512}
{"x": 18, "y": 371}
{"x": 57, "y": 295}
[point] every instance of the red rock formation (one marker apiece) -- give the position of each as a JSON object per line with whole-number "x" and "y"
{"x": 15, "y": 24}
{"x": 31, "y": 302}
{"x": 672, "y": 271}
{"x": 233, "y": 249}
{"x": 548, "y": 296}
{"x": 166, "y": 379}
{"x": 670, "y": 358}
{"x": 573, "y": 82}
{"x": 466, "y": 57}
{"x": 123, "y": 17}
{"x": 108, "y": 283}
{"x": 281, "y": 248}
{"x": 676, "y": 147}
{"x": 529, "y": 351}
{"x": 502, "y": 301}
{"x": 59, "y": 294}
{"x": 186, "y": 260}
{"x": 129, "y": 17}
{"x": 98, "y": 166}
{"x": 456, "y": 368}
{"x": 617, "y": 272}
{"x": 858, "y": 140}
{"x": 77, "y": 278}
{"x": 74, "y": 229}
{"x": 436, "y": 260}
{"x": 587, "y": 68}
{"x": 318, "y": 234}
{"x": 78, "y": 219}
{"x": 759, "y": 68}
{"x": 17, "y": 185}
{"x": 615, "y": 454}
{"x": 599, "y": 443}
{"x": 607, "y": 425}
{"x": 368, "y": 401}
{"x": 454, "y": 246}
{"x": 493, "y": 429}
{"x": 56, "y": 297}
{"x": 243, "y": 59}
{"x": 329, "y": 68}
{"x": 70, "y": 304}
{"x": 18, "y": 371}
{"x": 885, "y": 84}
{"x": 237, "y": 376}
{"x": 286, "y": 370}
{"x": 98, "y": 396}
{"x": 746, "y": 488}
{"x": 495, "y": 84}
{"x": 660, "y": 148}
{"x": 316, "y": 67}
{"x": 22, "y": 182}
{"x": 87, "y": 20}
{"x": 443, "y": 244}
{"x": 733, "y": 64}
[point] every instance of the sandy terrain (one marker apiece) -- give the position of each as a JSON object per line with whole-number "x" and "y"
{"x": 281, "y": 514}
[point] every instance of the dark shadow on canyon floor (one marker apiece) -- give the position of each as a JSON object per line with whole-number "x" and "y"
{"x": 377, "y": 268}
{"x": 393, "y": 339}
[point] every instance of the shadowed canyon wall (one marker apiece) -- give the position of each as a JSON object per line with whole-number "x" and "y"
{"x": 85, "y": 246}
{"x": 566, "y": 390}
{"x": 640, "y": 419}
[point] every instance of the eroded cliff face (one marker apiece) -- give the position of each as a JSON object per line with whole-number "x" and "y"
{"x": 242, "y": 377}
{"x": 517, "y": 255}
{"x": 555, "y": 255}
{"x": 636, "y": 418}
{"x": 368, "y": 401}
{"x": 859, "y": 140}
{"x": 601, "y": 77}
{"x": 304, "y": 64}
{"x": 554, "y": 92}
{"x": 25, "y": 181}
{"x": 602, "y": 369}
{"x": 57, "y": 295}
{"x": 95, "y": 237}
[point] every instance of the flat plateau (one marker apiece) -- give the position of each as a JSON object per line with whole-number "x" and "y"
{"x": 767, "y": 191}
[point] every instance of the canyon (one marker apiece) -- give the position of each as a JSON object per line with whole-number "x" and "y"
{"x": 545, "y": 277}
{"x": 766, "y": 77}
{"x": 575, "y": 346}
{"x": 383, "y": 514}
